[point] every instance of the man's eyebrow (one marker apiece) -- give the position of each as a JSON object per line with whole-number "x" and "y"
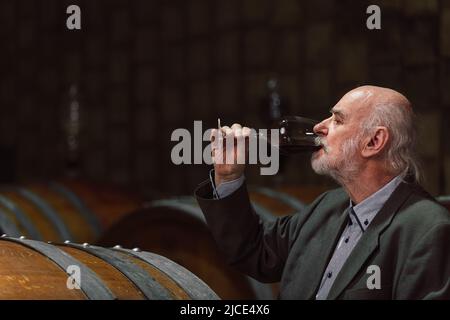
{"x": 337, "y": 112}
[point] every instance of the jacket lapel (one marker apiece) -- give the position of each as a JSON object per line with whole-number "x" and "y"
{"x": 369, "y": 240}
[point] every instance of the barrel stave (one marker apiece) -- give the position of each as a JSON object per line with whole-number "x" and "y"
{"x": 26, "y": 274}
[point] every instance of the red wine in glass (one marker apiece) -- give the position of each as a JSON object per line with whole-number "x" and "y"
{"x": 296, "y": 135}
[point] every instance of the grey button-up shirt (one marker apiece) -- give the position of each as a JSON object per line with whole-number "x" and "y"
{"x": 360, "y": 216}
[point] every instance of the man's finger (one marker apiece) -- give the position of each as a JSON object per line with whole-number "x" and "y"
{"x": 226, "y": 130}
{"x": 238, "y": 132}
{"x": 213, "y": 135}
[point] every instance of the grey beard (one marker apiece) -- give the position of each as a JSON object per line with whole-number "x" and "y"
{"x": 344, "y": 169}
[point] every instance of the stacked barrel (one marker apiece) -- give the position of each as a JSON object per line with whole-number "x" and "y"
{"x": 70, "y": 211}
{"x": 62, "y": 210}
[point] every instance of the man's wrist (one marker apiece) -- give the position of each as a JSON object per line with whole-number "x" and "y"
{"x": 228, "y": 187}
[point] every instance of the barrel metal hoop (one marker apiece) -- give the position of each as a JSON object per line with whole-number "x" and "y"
{"x": 194, "y": 286}
{"x": 283, "y": 197}
{"x": 196, "y": 212}
{"x": 7, "y": 225}
{"x": 79, "y": 205}
{"x": 443, "y": 198}
{"x": 263, "y": 212}
{"x": 22, "y": 218}
{"x": 263, "y": 291}
{"x": 92, "y": 286}
{"x": 175, "y": 203}
{"x": 137, "y": 275}
{"x": 48, "y": 211}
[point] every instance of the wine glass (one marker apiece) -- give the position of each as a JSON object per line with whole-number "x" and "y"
{"x": 296, "y": 135}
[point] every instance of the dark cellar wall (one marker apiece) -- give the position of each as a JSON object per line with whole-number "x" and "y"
{"x": 144, "y": 68}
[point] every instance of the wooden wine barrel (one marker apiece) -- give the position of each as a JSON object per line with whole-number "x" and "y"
{"x": 33, "y": 269}
{"x": 176, "y": 228}
{"x": 63, "y": 210}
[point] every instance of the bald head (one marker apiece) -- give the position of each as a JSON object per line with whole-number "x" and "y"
{"x": 366, "y": 98}
{"x": 378, "y": 106}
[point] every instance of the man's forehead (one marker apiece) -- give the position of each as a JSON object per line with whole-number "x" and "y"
{"x": 345, "y": 108}
{"x": 353, "y": 101}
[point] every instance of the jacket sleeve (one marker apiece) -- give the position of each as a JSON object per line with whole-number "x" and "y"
{"x": 426, "y": 274}
{"x": 256, "y": 247}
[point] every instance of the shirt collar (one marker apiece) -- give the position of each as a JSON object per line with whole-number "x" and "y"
{"x": 369, "y": 207}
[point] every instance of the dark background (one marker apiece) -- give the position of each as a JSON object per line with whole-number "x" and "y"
{"x": 146, "y": 67}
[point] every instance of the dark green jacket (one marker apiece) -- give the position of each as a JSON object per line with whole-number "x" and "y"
{"x": 409, "y": 240}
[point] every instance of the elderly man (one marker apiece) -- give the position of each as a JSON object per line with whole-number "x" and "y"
{"x": 380, "y": 236}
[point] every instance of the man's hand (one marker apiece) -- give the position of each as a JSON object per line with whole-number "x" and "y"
{"x": 229, "y": 152}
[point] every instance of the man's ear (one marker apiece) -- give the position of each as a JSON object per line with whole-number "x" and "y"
{"x": 376, "y": 142}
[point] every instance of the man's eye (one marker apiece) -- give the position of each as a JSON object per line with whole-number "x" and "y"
{"x": 337, "y": 121}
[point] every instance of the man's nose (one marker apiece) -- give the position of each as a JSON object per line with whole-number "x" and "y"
{"x": 321, "y": 128}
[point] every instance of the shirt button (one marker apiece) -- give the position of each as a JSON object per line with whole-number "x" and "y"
{"x": 346, "y": 240}
{"x": 330, "y": 274}
{"x": 366, "y": 222}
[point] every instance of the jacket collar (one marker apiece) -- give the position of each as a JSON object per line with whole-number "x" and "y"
{"x": 370, "y": 239}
